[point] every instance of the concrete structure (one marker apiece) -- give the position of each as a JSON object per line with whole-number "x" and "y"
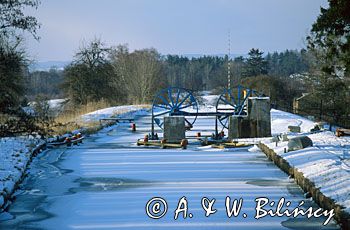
{"x": 259, "y": 116}
{"x": 239, "y": 127}
{"x": 234, "y": 127}
{"x": 256, "y": 124}
{"x": 174, "y": 128}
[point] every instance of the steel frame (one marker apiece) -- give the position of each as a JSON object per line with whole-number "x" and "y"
{"x": 175, "y": 101}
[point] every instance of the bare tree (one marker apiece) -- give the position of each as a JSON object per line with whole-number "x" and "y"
{"x": 140, "y": 72}
{"x": 90, "y": 77}
{"x": 12, "y": 17}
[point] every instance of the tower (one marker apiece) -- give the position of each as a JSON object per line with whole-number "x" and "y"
{"x": 229, "y": 61}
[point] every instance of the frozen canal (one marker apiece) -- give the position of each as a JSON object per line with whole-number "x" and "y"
{"x": 106, "y": 182}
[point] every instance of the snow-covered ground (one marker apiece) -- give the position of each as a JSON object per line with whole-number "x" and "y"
{"x": 56, "y": 106}
{"x": 281, "y": 120}
{"x": 56, "y": 103}
{"x": 210, "y": 99}
{"x": 106, "y": 183}
{"x": 15, "y": 152}
{"x": 327, "y": 163}
{"x": 121, "y": 111}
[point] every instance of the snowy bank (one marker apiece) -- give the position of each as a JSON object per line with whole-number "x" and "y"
{"x": 326, "y": 165}
{"x": 15, "y": 155}
{"x": 121, "y": 111}
{"x": 17, "y": 152}
{"x": 280, "y": 121}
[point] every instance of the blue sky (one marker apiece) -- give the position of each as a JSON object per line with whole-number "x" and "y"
{"x": 173, "y": 26}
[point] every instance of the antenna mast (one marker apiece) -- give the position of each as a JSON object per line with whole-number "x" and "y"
{"x": 229, "y": 61}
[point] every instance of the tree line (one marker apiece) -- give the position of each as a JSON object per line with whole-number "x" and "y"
{"x": 119, "y": 76}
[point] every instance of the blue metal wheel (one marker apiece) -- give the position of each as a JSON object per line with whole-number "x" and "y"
{"x": 174, "y": 101}
{"x": 235, "y": 102}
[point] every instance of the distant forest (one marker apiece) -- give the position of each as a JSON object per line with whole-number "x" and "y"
{"x": 202, "y": 73}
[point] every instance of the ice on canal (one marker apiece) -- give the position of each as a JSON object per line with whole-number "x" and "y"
{"x": 107, "y": 182}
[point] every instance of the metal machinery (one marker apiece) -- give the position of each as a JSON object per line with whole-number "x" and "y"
{"x": 174, "y": 101}
{"x": 233, "y": 102}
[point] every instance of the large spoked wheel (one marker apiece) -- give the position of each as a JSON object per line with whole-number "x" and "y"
{"x": 174, "y": 101}
{"x": 234, "y": 102}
